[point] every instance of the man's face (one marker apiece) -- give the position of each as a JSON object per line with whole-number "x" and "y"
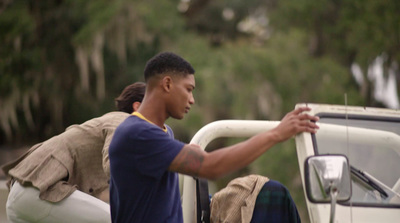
{"x": 181, "y": 96}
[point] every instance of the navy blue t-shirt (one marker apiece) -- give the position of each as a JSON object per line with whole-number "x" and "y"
{"x": 141, "y": 187}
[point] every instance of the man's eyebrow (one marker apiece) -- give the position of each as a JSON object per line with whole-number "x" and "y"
{"x": 191, "y": 85}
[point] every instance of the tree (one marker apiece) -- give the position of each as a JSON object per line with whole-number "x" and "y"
{"x": 63, "y": 62}
{"x": 351, "y": 32}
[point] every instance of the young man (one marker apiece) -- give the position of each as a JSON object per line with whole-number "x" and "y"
{"x": 61, "y": 179}
{"x": 145, "y": 159}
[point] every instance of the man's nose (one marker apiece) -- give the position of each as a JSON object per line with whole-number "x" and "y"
{"x": 191, "y": 100}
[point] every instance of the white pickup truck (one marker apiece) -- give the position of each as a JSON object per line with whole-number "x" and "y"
{"x": 350, "y": 168}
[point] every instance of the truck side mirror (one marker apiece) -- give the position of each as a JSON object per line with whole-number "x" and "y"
{"x": 328, "y": 180}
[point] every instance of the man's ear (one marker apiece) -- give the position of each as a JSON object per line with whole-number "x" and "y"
{"x": 136, "y": 105}
{"x": 167, "y": 83}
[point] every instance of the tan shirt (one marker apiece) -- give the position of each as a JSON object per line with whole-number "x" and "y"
{"x": 75, "y": 159}
{"x": 235, "y": 202}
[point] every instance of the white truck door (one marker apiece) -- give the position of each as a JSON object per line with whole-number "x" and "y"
{"x": 370, "y": 139}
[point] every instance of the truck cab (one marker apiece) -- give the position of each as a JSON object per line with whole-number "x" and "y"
{"x": 350, "y": 169}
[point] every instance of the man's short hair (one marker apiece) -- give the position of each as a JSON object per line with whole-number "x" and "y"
{"x": 167, "y": 62}
{"x": 131, "y": 93}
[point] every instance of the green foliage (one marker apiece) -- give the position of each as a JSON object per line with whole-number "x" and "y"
{"x": 15, "y": 25}
{"x": 42, "y": 74}
{"x": 235, "y": 80}
{"x": 14, "y": 22}
{"x": 347, "y": 30}
{"x": 94, "y": 17}
{"x": 370, "y": 28}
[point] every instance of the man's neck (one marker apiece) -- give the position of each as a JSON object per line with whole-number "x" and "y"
{"x": 153, "y": 113}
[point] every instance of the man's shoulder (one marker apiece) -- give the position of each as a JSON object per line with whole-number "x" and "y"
{"x": 132, "y": 124}
{"x": 139, "y": 124}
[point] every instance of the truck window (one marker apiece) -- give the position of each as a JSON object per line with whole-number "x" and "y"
{"x": 372, "y": 146}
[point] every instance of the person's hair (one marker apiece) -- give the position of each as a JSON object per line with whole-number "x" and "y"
{"x": 167, "y": 62}
{"x": 131, "y": 93}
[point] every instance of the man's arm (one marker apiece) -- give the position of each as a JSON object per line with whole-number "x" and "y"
{"x": 192, "y": 160}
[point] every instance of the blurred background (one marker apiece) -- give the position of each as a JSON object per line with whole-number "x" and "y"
{"x": 63, "y": 62}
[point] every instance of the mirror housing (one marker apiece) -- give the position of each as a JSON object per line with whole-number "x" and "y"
{"x": 328, "y": 180}
{"x": 327, "y": 174}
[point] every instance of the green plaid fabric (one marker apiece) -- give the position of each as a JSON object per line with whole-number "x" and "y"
{"x": 275, "y": 205}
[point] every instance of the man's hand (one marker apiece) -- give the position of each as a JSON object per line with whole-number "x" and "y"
{"x": 296, "y": 122}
